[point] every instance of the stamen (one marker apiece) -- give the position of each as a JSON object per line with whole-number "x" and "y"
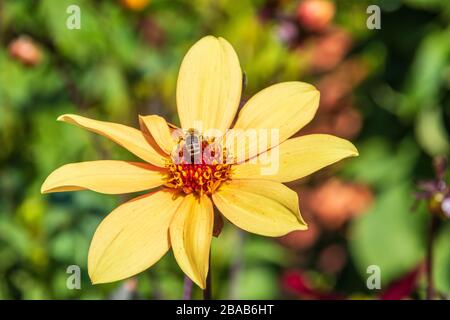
{"x": 198, "y": 165}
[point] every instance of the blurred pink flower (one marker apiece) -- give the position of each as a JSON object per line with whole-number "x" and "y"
{"x": 315, "y": 15}
{"x": 25, "y": 50}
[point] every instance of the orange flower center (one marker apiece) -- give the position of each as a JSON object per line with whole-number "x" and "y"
{"x": 198, "y": 165}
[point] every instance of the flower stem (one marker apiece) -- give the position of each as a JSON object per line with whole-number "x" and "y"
{"x": 237, "y": 265}
{"x": 207, "y": 293}
{"x": 429, "y": 258}
{"x": 187, "y": 290}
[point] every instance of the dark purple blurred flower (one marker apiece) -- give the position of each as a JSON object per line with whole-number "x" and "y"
{"x": 436, "y": 192}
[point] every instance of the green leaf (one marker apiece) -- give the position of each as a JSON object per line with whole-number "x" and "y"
{"x": 106, "y": 83}
{"x": 427, "y": 4}
{"x": 441, "y": 261}
{"x": 257, "y": 283}
{"x": 264, "y": 250}
{"x": 427, "y": 73}
{"x": 431, "y": 133}
{"x": 380, "y": 164}
{"x": 389, "y": 235}
{"x": 79, "y": 45}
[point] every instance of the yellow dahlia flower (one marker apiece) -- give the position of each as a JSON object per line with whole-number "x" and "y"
{"x": 241, "y": 173}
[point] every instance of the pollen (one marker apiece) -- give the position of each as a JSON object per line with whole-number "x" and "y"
{"x": 197, "y": 165}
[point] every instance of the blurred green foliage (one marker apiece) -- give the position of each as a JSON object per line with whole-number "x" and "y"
{"x": 124, "y": 62}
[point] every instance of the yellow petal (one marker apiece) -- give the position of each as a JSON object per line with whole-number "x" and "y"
{"x": 209, "y": 85}
{"x": 263, "y": 207}
{"x": 273, "y": 115}
{"x": 104, "y": 176}
{"x": 191, "y": 234}
{"x": 157, "y": 127}
{"x": 296, "y": 158}
{"x": 132, "y": 237}
{"x": 128, "y": 137}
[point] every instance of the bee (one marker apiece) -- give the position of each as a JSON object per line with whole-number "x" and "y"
{"x": 192, "y": 149}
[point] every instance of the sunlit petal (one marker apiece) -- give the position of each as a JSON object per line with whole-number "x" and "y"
{"x": 130, "y": 138}
{"x": 272, "y": 116}
{"x": 156, "y": 127}
{"x": 263, "y": 207}
{"x": 104, "y": 176}
{"x": 190, "y": 235}
{"x": 296, "y": 158}
{"x": 209, "y": 85}
{"x": 132, "y": 237}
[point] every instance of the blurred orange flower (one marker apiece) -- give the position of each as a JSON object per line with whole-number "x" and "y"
{"x": 135, "y": 4}
{"x": 335, "y": 201}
